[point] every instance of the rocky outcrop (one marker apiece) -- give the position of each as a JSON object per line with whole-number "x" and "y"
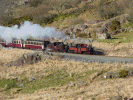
{"x": 99, "y": 27}
{"x": 76, "y": 29}
{"x": 17, "y": 3}
{"x": 27, "y": 59}
{"x": 118, "y": 74}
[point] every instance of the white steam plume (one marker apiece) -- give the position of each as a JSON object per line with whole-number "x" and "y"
{"x": 26, "y": 30}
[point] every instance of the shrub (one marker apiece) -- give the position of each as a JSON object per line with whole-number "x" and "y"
{"x": 4, "y": 20}
{"x": 77, "y": 21}
{"x": 48, "y": 18}
{"x": 88, "y": 7}
{"x": 103, "y": 2}
{"x": 130, "y": 12}
{"x": 34, "y": 3}
{"x": 123, "y": 73}
{"x": 84, "y": 35}
{"x": 110, "y": 10}
{"x": 115, "y": 26}
{"x": 16, "y": 21}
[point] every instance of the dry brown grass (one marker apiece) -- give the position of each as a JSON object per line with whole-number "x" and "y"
{"x": 120, "y": 49}
{"x": 7, "y": 55}
{"x": 101, "y": 90}
{"x": 96, "y": 86}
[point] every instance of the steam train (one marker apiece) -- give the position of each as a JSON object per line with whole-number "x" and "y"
{"x": 47, "y": 45}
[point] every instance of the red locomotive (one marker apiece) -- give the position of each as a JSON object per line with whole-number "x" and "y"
{"x": 58, "y": 47}
{"x": 81, "y": 48}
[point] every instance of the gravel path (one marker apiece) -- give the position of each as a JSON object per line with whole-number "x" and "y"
{"x": 95, "y": 58}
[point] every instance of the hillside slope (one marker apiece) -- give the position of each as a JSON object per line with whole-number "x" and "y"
{"x": 71, "y": 16}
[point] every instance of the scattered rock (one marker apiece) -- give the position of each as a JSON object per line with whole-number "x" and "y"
{"x": 15, "y": 90}
{"x": 31, "y": 79}
{"x": 130, "y": 73}
{"x": 6, "y": 86}
{"x": 124, "y": 38}
{"x": 78, "y": 28}
{"x": 104, "y": 36}
{"x": 118, "y": 41}
{"x": 18, "y": 84}
{"x": 131, "y": 30}
{"x": 91, "y": 40}
{"x": 112, "y": 75}
{"x": 102, "y": 30}
{"x": 131, "y": 99}
{"x": 105, "y": 76}
{"x": 21, "y": 85}
{"x": 1, "y": 47}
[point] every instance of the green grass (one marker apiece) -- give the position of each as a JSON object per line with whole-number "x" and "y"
{"x": 8, "y": 83}
{"x": 85, "y": 75}
{"x": 127, "y": 24}
{"x": 56, "y": 79}
{"x": 119, "y": 37}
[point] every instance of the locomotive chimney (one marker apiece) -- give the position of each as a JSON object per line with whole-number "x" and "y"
{"x": 67, "y": 43}
{"x": 71, "y": 44}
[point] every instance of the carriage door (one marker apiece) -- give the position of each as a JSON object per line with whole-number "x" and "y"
{"x": 22, "y": 44}
{"x": 78, "y": 47}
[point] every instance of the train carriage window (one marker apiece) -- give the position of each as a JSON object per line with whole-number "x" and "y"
{"x": 54, "y": 44}
{"x": 82, "y": 45}
{"x": 40, "y": 43}
{"x": 28, "y": 42}
{"x": 14, "y": 41}
{"x": 35, "y": 43}
{"x": 31, "y": 42}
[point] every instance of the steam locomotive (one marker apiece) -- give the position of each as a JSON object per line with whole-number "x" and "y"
{"x": 47, "y": 45}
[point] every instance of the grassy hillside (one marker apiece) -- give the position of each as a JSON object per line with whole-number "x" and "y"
{"x": 57, "y": 78}
{"x": 65, "y": 13}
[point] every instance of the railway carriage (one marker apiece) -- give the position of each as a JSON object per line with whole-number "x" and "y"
{"x": 3, "y": 43}
{"x": 15, "y": 44}
{"x": 35, "y": 44}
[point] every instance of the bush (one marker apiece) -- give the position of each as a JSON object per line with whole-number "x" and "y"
{"x": 130, "y": 12}
{"x": 123, "y": 73}
{"x": 83, "y": 35}
{"x": 34, "y": 3}
{"x": 115, "y": 26}
{"x": 48, "y": 18}
{"x": 4, "y": 20}
{"x": 77, "y": 21}
{"x": 16, "y": 21}
{"x": 103, "y": 2}
{"x": 88, "y": 7}
{"x": 110, "y": 10}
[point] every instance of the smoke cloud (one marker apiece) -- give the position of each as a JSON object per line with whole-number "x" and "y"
{"x": 28, "y": 29}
